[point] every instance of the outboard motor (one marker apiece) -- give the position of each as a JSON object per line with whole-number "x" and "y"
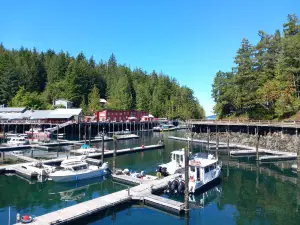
{"x": 181, "y": 187}
{"x": 168, "y": 190}
{"x": 164, "y": 172}
{"x": 174, "y": 186}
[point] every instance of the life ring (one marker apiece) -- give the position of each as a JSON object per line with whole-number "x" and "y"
{"x": 26, "y": 219}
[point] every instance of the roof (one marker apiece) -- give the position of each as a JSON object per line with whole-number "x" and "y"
{"x": 61, "y": 99}
{"x": 178, "y": 152}
{"x": 102, "y": 100}
{"x": 200, "y": 162}
{"x": 55, "y": 114}
{"x": 12, "y": 109}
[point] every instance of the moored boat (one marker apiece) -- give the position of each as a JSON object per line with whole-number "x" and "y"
{"x": 38, "y": 133}
{"x": 17, "y": 141}
{"x": 176, "y": 164}
{"x": 76, "y": 169}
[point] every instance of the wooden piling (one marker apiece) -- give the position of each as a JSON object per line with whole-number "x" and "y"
{"x": 57, "y": 126}
{"x": 187, "y": 178}
{"x": 102, "y": 156}
{"x": 228, "y": 151}
{"x": 90, "y": 131}
{"x": 115, "y": 153}
{"x": 298, "y": 157}
{"x": 257, "y": 144}
{"x": 217, "y": 142}
{"x": 208, "y": 137}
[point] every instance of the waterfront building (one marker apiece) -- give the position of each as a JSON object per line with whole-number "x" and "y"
{"x": 119, "y": 115}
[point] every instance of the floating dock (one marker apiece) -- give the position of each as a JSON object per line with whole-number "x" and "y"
{"x": 142, "y": 192}
{"x": 109, "y": 153}
{"x": 17, "y": 168}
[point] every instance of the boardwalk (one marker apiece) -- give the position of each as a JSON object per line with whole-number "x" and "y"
{"x": 142, "y": 192}
{"x": 257, "y": 123}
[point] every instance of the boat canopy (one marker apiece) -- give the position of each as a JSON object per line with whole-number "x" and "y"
{"x": 85, "y": 146}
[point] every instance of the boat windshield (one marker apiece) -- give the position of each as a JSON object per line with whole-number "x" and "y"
{"x": 82, "y": 167}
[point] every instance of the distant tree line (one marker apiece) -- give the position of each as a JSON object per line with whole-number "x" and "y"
{"x": 35, "y": 79}
{"x": 265, "y": 84}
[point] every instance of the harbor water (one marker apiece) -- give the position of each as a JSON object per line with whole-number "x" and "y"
{"x": 247, "y": 194}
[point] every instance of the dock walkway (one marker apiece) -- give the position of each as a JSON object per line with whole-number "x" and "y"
{"x": 142, "y": 192}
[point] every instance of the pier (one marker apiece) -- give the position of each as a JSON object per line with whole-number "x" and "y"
{"x": 141, "y": 193}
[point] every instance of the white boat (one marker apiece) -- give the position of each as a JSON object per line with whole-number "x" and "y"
{"x": 176, "y": 164}
{"x": 17, "y": 153}
{"x": 164, "y": 127}
{"x": 76, "y": 169}
{"x": 202, "y": 171}
{"x": 99, "y": 136}
{"x": 17, "y": 141}
{"x": 85, "y": 149}
{"x": 123, "y": 132}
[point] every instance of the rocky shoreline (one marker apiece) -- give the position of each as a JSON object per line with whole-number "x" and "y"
{"x": 274, "y": 141}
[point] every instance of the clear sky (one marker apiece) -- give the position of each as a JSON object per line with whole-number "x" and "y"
{"x": 188, "y": 40}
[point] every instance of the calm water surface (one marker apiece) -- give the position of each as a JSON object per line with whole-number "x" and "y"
{"x": 245, "y": 195}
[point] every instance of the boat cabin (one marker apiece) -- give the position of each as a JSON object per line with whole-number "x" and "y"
{"x": 76, "y": 167}
{"x": 177, "y": 157}
{"x": 202, "y": 169}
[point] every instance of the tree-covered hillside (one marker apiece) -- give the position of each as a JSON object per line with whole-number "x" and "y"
{"x": 265, "y": 84}
{"x": 34, "y": 79}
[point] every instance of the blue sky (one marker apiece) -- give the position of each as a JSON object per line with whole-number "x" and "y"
{"x": 188, "y": 40}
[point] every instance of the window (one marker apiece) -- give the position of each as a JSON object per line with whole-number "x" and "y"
{"x": 120, "y": 114}
{"x": 174, "y": 157}
{"x": 177, "y": 158}
{"x": 181, "y": 158}
{"x": 206, "y": 169}
{"x": 192, "y": 168}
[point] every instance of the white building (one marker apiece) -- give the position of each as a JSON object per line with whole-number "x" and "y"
{"x": 63, "y": 102}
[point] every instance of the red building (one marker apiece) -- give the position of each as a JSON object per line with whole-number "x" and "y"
{"x": 119, "y": 115}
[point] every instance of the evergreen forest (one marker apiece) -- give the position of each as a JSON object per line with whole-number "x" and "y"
{"x": 265, "y": 83}
{"x": 35, "y": 79}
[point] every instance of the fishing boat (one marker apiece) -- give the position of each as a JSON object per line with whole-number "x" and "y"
{"x": 37, "y": 133}
{"x": 203, "y": 170}
{"x": 17, "y": 141}
{"x": 77, "y": 169}
{"x": 176, "y": 164}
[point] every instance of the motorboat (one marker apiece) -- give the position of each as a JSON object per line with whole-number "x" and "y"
{"x": 202, "y": 171}
{"x": 17, "y": 141}
{"x": 142, "y": 175}
{"x": 85, "y": 149}
{"x": 37, "y": 133}
{"x": 17, "y": 153}
{"x": 176, "y": 164}
{"x": 123, "y": 132}
{"x": 99, "y": 136}
{"x": 77, "y": 169}
{"x": 164, "y": 127}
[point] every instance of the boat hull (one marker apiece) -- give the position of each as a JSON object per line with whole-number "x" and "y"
{"x": 79, "y": 176}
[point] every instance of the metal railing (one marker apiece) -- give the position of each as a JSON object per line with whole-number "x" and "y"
{"x": 244, "y": 121}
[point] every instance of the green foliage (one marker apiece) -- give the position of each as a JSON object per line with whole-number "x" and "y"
{"x": 265, "y": 83}
{"x": 94, "y": 98}
{"x": 31, "y": 100}
{"x": 47, "y": 76}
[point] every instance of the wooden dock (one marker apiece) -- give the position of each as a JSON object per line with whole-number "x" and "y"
{"x": 109, "y": 153}
{"x": 142, "y": 192}
{"x": 269, "y": 155}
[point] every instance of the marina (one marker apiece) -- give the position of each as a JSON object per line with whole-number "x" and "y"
{"x": 147, "y": 200}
